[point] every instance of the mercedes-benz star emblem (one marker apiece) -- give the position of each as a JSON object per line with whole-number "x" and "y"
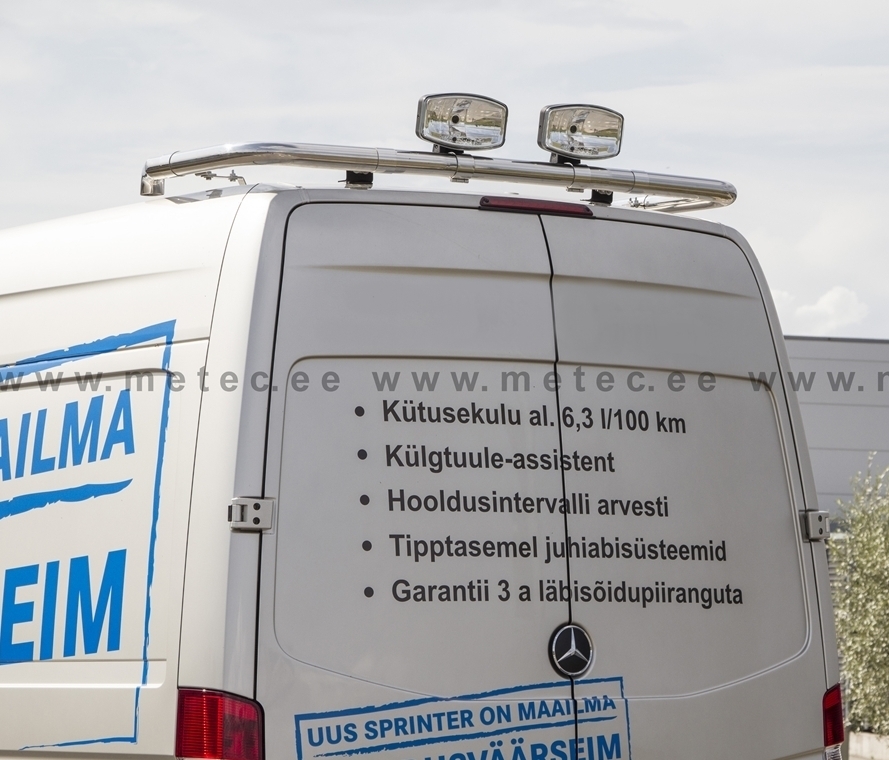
{"x": 570, "y": 650}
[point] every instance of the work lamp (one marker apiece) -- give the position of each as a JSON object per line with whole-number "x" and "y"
{"x": 580, "y": 132}
{"x": 458, "y": 121}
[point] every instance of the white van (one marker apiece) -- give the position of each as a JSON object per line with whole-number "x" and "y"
{"x": 306, "y": 474}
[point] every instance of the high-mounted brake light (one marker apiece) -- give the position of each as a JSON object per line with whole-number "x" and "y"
{"x": 212, "y": 725}
{"x": 532, "y": 206}
{"x": 461, "y": 122}
{"x": 580, "y": 132}
{"x": 832, "y": 710}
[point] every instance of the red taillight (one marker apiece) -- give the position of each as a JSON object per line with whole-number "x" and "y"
{"x": 532, "y": 206}
{"x": 832, "y": 710}
{"x": 215, "y": 726}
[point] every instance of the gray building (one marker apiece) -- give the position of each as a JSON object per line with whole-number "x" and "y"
{"x": 843, "y": 389}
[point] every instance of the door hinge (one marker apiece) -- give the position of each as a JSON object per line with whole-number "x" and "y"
{"x": 816, "y": 525}
{"x": 249, "y": 514}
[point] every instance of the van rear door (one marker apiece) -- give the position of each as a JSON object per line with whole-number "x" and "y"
{"x": 401, "y": 610}
{"x": 686, "y": 562}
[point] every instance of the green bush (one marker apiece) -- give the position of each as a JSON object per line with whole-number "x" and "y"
{"x": 860, "y": 556}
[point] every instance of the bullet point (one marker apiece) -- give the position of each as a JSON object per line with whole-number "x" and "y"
{"x": 368, "y": 592}
{"x": 365, "y": 499}
{"x": 367, "y": 546}
{"x": 362, "y": 454}
{"x": 359, "y": 411}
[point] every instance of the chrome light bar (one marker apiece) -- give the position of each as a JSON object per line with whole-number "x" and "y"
{"x": 700, "y": 193}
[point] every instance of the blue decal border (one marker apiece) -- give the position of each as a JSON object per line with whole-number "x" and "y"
{"x": 159, "y": 334}
{"x": 480, "y": 696}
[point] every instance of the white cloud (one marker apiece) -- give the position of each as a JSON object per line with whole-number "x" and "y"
{"x": 783, "y": 302}
{"x": 839, "y": 307}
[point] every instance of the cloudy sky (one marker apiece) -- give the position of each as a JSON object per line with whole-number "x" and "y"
{"x": 787, "y": 100}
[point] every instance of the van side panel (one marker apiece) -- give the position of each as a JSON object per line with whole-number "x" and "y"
{"x": 93, "y": 551}
{"x": 76, "y": 280}
{"x": 219, "y": 607}
{"x": 94, "y": 514}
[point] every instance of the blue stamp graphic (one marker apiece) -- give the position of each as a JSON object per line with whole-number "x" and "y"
{"x": 81, "y": 464}
{"x": 519, "y": 723}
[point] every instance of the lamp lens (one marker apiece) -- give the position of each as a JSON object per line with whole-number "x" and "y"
{"x": 464, "y": 122}
{"x": 584, "y": 132}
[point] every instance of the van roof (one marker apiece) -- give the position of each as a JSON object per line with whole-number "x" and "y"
{"x": 169, "y": 251}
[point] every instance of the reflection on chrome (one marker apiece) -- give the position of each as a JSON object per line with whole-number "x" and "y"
{"x": 580, "y": 132}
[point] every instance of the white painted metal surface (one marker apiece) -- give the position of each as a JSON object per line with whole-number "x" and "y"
{"x": 106, "y": 306}
{"x": 675, "y": 318}
{"x": 286, "y": 312}
{"x": 395, "y": 292}
{"x": 109, "y": 305}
